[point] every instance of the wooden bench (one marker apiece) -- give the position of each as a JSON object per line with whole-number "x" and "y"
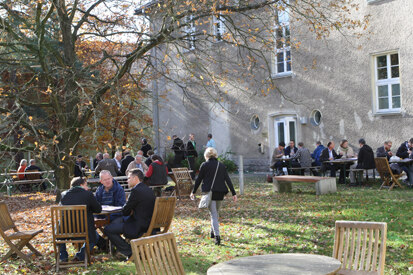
{"x": 323, "y": 185}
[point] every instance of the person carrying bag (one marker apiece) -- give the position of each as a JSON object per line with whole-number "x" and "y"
{"x": 215, "y": 182}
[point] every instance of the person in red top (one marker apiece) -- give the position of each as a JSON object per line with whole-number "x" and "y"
{"x": 22, "y": 167}
{"x": 157, "y": 172}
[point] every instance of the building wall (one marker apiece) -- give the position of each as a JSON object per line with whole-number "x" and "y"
{"x": 334, "y": 76}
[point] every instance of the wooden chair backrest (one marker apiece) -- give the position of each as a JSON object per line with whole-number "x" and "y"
{"x": 34, "y": 176}
{"x": 6, "y": 221}
{"x": 361, "y": 246}
{"x": 69, "y": 221}
{"x": 157, "y": 255}
{"x": 383, "y": 167}
{"x": 163, "y": 214}
{"x": 183, "y": 181}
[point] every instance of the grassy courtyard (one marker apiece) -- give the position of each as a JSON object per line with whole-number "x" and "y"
{"x": 260, "y": 223}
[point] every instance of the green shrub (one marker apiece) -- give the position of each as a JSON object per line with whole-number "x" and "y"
{"x": 229, "y": 164}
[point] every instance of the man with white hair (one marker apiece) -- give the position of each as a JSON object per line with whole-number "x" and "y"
{"x": 107, "y": 164}
{"x": 137, "y": 163}
{"x": 118, "y": 160}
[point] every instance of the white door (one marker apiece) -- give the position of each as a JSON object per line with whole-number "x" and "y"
{"x": 285, "y": 129}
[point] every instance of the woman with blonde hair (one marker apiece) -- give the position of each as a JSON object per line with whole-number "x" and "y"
{"x": 213, "y": 174}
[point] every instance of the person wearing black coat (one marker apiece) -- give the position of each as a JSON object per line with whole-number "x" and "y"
{"x": 125, "y": 162}
{"x": 78, "y": 194}
{"x": 365, "y": 159}
{"x": 329, "y": 154}
{"x": 291, "y": 149}
{"x": 179, "y": 150}
{"x": 138, "y": 211}
{"x": 405, "y": 149}
{"x": 191, "y": 154}
{"x": 214, "y": 176}
{"x": 145, "y": 147}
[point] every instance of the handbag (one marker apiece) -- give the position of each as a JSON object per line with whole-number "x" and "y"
{"x": 206, "y": 199}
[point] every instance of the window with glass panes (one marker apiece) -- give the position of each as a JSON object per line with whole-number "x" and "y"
{"x": 190, "y": 32}
{"x": 283, "y": 45}
{"x": 219, "y": 27}
{"x": 387, "y": 73}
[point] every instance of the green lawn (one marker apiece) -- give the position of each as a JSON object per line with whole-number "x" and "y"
{"x": 300, "y": 222}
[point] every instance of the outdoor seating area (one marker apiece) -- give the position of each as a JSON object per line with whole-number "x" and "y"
{"x": 332, "y": 246}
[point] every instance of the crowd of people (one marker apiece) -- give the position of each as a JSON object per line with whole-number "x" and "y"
{"x": 322, "y": 156}
{"x": 137, "y": 209}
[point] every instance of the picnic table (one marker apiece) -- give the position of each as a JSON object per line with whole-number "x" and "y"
{"x": 11, "y": 179}
{"x": 409, "y": 164}
{"x": 281, "y": 264}
{"x": 342, "y": 162}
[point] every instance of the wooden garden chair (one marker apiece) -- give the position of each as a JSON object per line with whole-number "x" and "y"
{"x": 23, "y": 237}
{"x": 69, "y": 225}
{"x": 183, "y": 181}
{"x": 360, "y": 246}
{"x": 389, "y": 179}
{"x": 157, "y": 255}
{"x": 162, "y": 216}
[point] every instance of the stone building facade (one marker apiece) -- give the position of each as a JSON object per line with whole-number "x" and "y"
{"x": 334, "y": 88}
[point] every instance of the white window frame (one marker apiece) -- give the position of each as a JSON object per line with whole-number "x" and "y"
{"x": 286, "y": 47}
{"x": 389, "y": 81}
{"x": 189, "y": 31}
{"x": 219, "y": 28}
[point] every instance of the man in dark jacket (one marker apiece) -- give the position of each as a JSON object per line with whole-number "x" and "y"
{"x": 179, "y": 150}
{"x": 291, "y": 149}
{"x": 138, "y": 211}
{"x": 191, "y": 154}
{"x": 34, "y": 168}
{"x": 405, "y": 149}
{"x": 145, "y": 147}
{"x": 125, "y": 162}
{"x": 80, "y": 165}
{"x": 329, "y": 154}
{"x": 78, "y": 195}
{"x": 365, "y": 159}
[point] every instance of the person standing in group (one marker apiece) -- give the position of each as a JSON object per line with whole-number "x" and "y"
{"x": 191, "y": 154}
{"x": 145, "y": 147}
{"x": 215, "y": 178}
{"x": 211, "y": 142}
{"x": 179, "y": 149}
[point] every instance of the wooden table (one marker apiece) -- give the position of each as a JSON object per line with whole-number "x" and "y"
{"x": 343, "y": 163}
{"x": 280, "y": 264}
{"x": 409, "y": 164}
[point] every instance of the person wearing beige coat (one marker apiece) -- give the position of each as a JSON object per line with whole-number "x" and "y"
{"x": 137, "y": 163}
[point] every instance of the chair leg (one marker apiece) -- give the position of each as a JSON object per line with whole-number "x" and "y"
{"x": 17, "y": 249}
{"x": 87, "y": 256}
{"x": 34, "y": 250}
